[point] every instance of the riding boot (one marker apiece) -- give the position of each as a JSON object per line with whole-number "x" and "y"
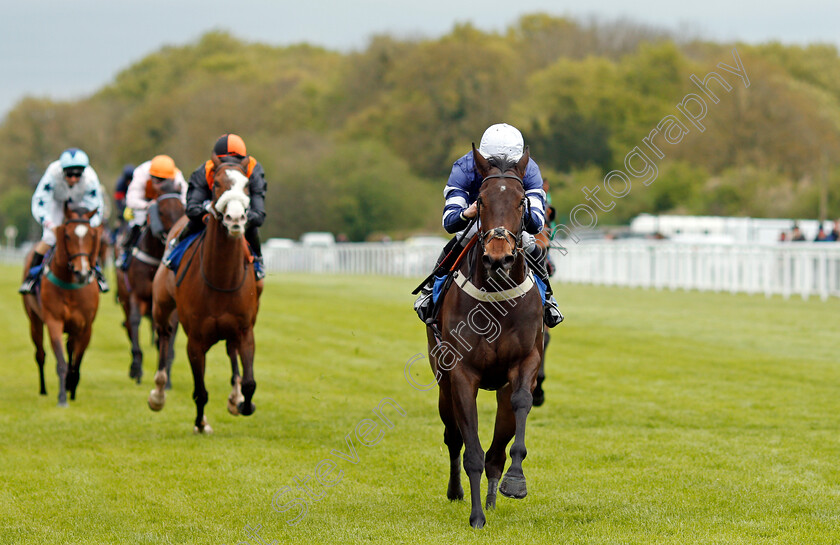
{"x": 252, "y": 235}
{"x": 100, "y": 279}
{"x": 129, "y": 242}
{"x": 424, "y": 305}
{"x": 31, "y": 278}
{"x": 551, "y": 313}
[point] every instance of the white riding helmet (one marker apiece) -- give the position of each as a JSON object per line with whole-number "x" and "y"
{"x": 502, "y": 139}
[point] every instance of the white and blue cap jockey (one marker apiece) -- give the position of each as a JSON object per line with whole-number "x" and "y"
{"x": 464, "y": 181}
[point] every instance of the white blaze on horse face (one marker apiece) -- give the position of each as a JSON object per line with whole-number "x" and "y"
{"x": 233, "y": 204}
{"x": 81, "y": 230}
{"x": 502, "y": 188}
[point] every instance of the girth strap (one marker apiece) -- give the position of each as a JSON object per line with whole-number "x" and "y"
{"x": 492, "y": 296}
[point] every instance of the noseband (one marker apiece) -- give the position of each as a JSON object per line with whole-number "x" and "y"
{"x": 503, "y": 232}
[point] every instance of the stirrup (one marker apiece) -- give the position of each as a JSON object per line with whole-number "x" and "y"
{"x": 103, "y": 284}
{"x": 259, "y": 268}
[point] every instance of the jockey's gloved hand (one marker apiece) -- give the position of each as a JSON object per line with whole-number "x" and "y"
{"x": 208, "y": 207}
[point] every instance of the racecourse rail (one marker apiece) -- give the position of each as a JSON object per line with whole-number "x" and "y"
{"x": 788, "y": 269}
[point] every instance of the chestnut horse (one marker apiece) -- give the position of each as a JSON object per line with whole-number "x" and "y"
{"x": 67, "y": 300}
{"x": 216, "y": 294}
{"x": 134, "y": 286}
{"x": 490, "y": 338}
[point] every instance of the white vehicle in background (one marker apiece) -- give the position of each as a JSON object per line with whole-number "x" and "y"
{"x": 320, "y": 252}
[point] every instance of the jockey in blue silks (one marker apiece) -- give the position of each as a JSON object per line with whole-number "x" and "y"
{"x": 461, "y": 193}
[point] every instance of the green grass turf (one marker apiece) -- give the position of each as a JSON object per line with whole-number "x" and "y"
{"x": 671, "y": 417}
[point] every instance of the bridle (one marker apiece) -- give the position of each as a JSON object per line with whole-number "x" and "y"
{"x": 71, "y": 257}
{"x": 503, "y": 232}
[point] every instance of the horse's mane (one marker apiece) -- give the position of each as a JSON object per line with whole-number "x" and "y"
{"x": 502, "y": 162}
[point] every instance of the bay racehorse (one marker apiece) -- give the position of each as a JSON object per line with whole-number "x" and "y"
{"x": 67, "y": 299}
{"x": 134, "y": 285}
{"x": 216, "y": 294}
{"x": 490, "y": 337}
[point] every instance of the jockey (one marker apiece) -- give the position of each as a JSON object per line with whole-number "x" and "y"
{"x": 228, "y": 148}
{"x": 138, "y": 197}
{"x": 120, "y": 187}
{"x": 71, "y": 179}
{"x": 461, "y": 193}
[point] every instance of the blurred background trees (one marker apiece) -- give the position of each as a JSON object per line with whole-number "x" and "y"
{"x": 362, "y": 142}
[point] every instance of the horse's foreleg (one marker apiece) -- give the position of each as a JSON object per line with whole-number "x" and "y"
{"x": 170, "y": 354}
{"x": 464, "y": 390}
{"x": 522, "y": 383}
{"x": 36, "y": 331}
{"x": 135, "y": 315}
{"x": 161, "y": 316}
{"x": 249, "y": 385}
{"x": 235, "y": 397}
{"x": 197, "y": 353}
{"x": 539, "y": 394}
{"x": 56, "y": 330}
{"x": 76, "y": 348}
{"x": 452, "y": 438}
{"x": 504, "y": 430}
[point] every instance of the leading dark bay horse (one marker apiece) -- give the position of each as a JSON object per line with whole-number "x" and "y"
{"x": 216, "y": 294}
{"x": 134, "y": 286}
{"x": 491, "y": 337}
{"x": 67, "y": 300}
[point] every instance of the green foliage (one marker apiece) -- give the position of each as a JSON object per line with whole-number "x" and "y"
{"x": 583, "y": 94}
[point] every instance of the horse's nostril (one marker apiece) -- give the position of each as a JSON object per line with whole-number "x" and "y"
{"x": 508, "y": 261}
{"x": 488, "y": 262}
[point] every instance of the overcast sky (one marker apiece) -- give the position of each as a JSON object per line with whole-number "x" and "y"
{"x": 69, "y": 48}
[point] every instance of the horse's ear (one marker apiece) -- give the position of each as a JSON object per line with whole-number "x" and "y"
{"x": 481, "y": 163}
{"x": 244, "y": 162}
{"x": 66, "y": 209}
{"x": 216, "y": 161}
{"x": 89, "y": 214}
{"x": 522, "y": 164}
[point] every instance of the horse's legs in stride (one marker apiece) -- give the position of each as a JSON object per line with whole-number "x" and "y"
{"x": 196, "y": 353}
{"x": 134, "y": 317}
{"x": 464, "y": 390}
{"x": 55, "y": 329}
{"x": 165, "y": 334}
{"x": 452, "y": 438}
{"x": 539, "y": 394}
{"x": 521, "y": 385}
{"x": 505, "y": 428}
{"x": 75, "y": 351}
{"x": 249, "y": 385}
{"x": 235, "y": 397}
{"x": 36, "y": 331}
{"x": 170, "y": 354}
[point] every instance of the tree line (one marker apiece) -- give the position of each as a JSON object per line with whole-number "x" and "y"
{"x": 361, "y": 143}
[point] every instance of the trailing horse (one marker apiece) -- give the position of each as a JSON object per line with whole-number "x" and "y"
{"x": 134, "y": 285}
{"x": 67, "y": 299}
{"x": 216, "y": 294}
{"x": 490, "y": 337}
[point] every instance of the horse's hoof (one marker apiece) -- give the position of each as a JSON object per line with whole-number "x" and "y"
{"x": 168, "y": 386}
{"x": 513, "y": 487}
{"x": 204, "y": 429}
{"x": 455, "y": 494}
{"x": 62, "y": 404}
{"x": 43, "y": 393}
{"x": 478, "y": 521}
{"x": 232, "y": 407}
{"x": 246, "y": 411}
{"x": 156, "y": 401}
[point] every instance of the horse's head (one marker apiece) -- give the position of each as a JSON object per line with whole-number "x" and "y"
{"x": 501, "y": 207}
{"x": 230, "y": 195}
{"x": 167, "y": 208}
{"x": 80, "y": 242}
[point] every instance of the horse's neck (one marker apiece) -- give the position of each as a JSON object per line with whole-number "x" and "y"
{"x": 223, "y": 256}
{"x": 58, "y": 263}
{"x": 481, "y": 278}
{"x": 150, "y": 245}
